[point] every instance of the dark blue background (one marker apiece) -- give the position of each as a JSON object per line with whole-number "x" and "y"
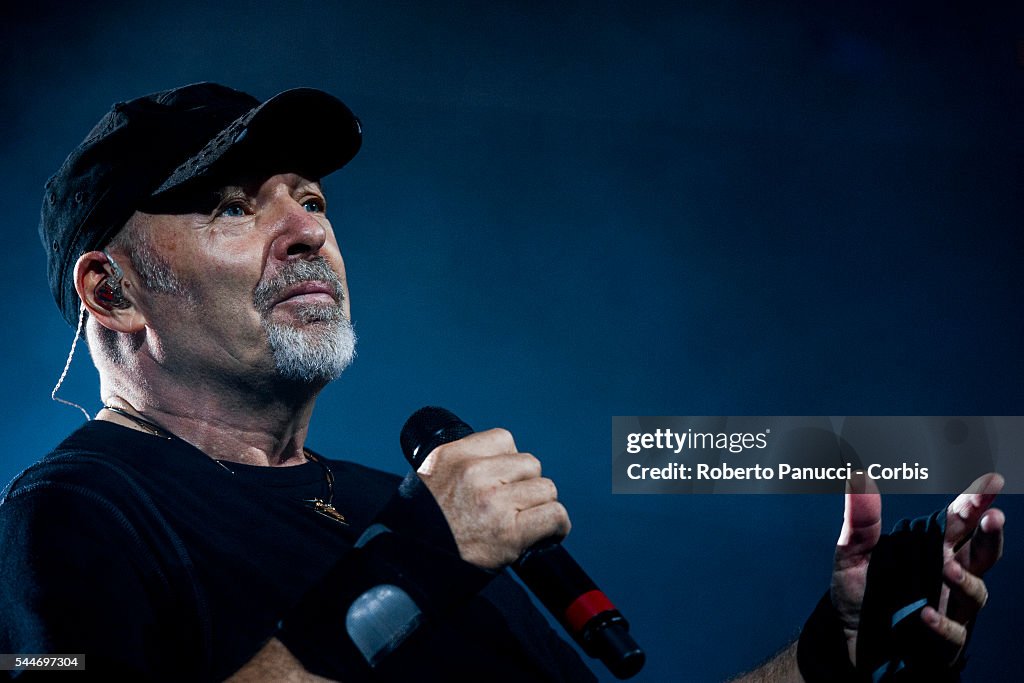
{"x": 564, "y": 213}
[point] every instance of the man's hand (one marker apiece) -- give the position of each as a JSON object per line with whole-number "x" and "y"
{"x": 493, "y": 497}
{"x": 972, "y": 544}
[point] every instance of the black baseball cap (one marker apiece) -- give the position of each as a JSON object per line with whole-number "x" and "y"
{"x": 160, "y": 144}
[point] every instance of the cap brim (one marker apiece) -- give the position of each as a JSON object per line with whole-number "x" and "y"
{"x": 303, "y": 130}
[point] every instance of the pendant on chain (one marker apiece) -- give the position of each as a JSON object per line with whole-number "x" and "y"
{"x": 327, "y": 510}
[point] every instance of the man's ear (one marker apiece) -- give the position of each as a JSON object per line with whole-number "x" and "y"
{"x": 108, "y": 294}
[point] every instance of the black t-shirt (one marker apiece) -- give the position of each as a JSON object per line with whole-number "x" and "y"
{"x": 155, "y": 561}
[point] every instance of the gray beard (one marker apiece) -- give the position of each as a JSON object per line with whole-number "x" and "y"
{"x": 315, "y": 353}
{"x": 324, "y": 345}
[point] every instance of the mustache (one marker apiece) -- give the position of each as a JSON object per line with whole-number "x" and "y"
{"x": 315, "y": 269}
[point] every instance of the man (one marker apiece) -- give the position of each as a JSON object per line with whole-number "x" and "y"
{"x": 188, "y": 533}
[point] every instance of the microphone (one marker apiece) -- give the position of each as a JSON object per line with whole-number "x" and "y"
{"x": 546, "y": 568}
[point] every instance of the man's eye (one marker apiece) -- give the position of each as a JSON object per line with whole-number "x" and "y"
{"x": 233, "y": 210}
{"x": 314, "y": 205}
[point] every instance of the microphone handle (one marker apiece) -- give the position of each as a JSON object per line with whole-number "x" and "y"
{"x": 547, "y": 568}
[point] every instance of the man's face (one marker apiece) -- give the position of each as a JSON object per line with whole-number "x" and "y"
{"x": 247, "y": 284}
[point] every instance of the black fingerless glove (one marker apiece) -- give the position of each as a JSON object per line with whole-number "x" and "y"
{"x": 893, "y": 644}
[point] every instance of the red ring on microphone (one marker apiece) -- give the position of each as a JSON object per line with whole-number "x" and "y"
{"x": 585, "y": 608}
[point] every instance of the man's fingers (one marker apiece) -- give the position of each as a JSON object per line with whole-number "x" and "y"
{"x": 503, "y": 469}
{"x": 500, "y": 438}
{"x": 965, "y": 512}
{"x": 547, "y": 521}
{"x": 967, "y": 592}
{"x": 862, "y": 517}
{"x": 951, "y": 631}
{"x": 483, "y": 471}
{"x": 479, "y": 444}
{"x": 986, "y": 547}
{"x": 974, "y": 542}
{"x": 531, "y": 493}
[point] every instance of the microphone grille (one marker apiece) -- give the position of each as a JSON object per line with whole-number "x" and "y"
{"x": 428, "y": 428}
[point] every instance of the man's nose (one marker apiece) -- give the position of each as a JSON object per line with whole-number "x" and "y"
{"x": 299, "y": 233}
